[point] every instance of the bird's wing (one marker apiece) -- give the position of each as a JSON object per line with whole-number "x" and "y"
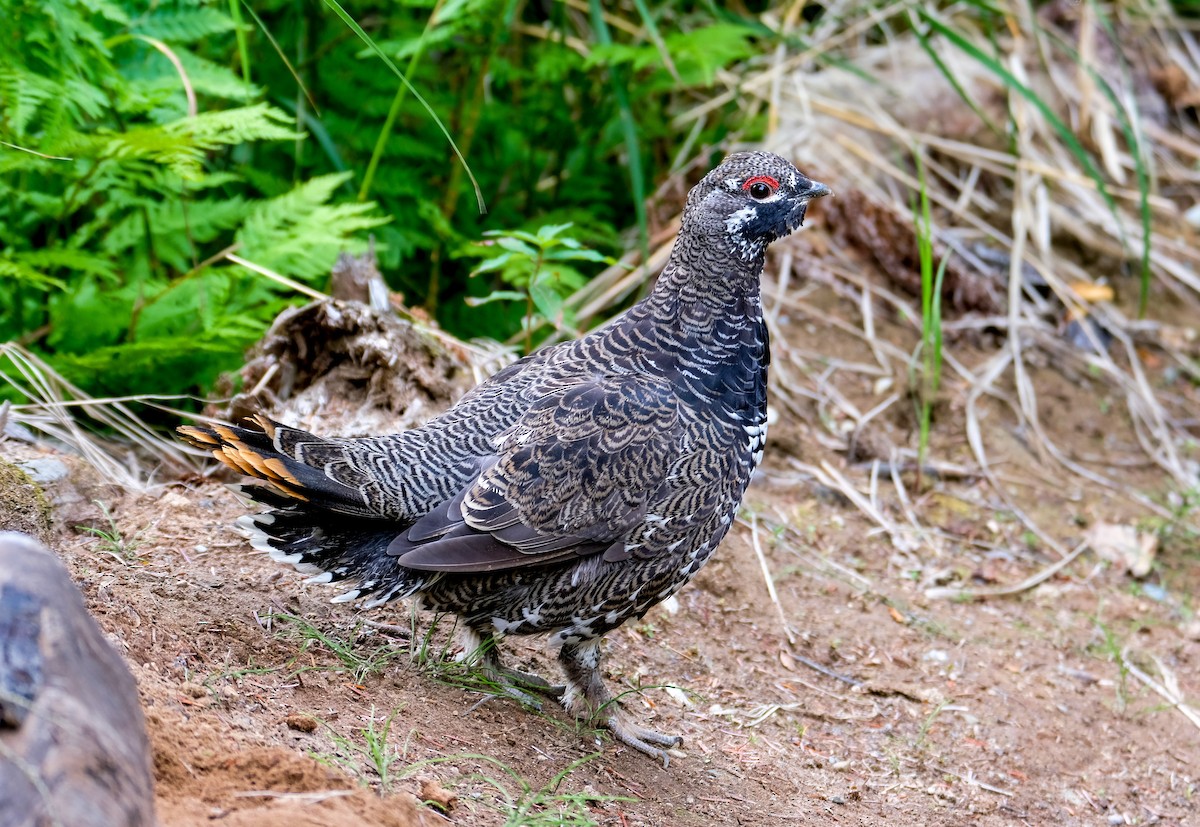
{"x": 571, "y": 477}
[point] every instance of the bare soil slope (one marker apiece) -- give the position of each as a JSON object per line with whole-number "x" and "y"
{"x": 266, "y": 705}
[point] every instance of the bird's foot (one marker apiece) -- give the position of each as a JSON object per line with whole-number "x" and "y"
{"x": 589, "y": 700}
{"x": 644, "y": 740}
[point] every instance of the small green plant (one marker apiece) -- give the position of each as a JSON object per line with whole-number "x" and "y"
{"x": 374, "y": 747}
{"x": 433, "y": 649}
{"x": 113, "y": 541}
{"x": 524, "y": 805}
{"x": 236, "y": 674}
{"x": 360, "y": 664}
{"x": 647, "y": 630}
{"x": 432, "y": 656}
{"x": 538, "y": 268}
{"x": 931, "y": 317}
{"x": 1109, "y": 646}
{"x": 927, "y": 724}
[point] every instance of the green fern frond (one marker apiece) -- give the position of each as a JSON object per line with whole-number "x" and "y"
{"x": 84, "y": 97}
{"x": 299, "y": 234}
{"x": 259, "y": 122}
{"x": 71, "y": 260}
{"x": 109, "y": 11}
{"x": 21, "y": 96}
{"x": 117, "y": 368}
{"x": 21, "y": 272}
{"x": 210, "y": 78}
{"x": 181, "y": 145}
{"x": 184, "y": 25}
{"x": 173, "y": 149}
{"x": 176, "y": 228}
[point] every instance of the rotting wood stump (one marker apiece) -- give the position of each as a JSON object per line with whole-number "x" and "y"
{"x": 73, "y": 745}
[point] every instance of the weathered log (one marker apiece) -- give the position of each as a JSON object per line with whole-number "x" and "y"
{"x": 73, "y": 745}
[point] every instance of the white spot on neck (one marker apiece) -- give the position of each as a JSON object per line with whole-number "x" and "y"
{"x": 735, "y": 225}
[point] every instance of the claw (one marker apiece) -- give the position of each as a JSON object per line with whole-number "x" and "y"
{"x": 587, "y": 697}
{"x": 640, "y": 738}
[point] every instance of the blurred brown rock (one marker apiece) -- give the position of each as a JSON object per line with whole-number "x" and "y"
{"x": 73, "y": 746}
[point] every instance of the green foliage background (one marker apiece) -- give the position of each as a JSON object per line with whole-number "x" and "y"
{"x": 118, "y": 196}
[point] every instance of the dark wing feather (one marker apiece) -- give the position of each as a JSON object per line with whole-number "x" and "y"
{"x": 571, "y": 477}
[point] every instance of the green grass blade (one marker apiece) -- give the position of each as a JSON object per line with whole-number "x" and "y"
{"x": 935, "y": 322}
{"x": 637, "y": 181}
{"x": 235, "y": 11}
{"x": 394, "y": 111}
{"x": 282, "y": 56}
{"x": 923, "y": 40}
{"x": 352, "y": 24}
{"x": 931, "y": 313}
{"x": 1010, "y": 80}
{"x": 655, "y": 37}
{"x": 312, "y": 123}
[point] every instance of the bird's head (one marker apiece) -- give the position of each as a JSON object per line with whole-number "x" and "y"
{"x": 751, "y": 199}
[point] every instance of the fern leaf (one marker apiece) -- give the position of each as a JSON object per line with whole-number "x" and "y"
{"x": 209, "y": 78}
{"x": 22, "y": 95}
{"x": 184, "y": 25}
{"x": 176, "y": 228}
{"x": 109, "y": 11}
{"x": 299, "y": 234}
{"x": 260, "y": 122}
{"x": 71, "y": 260}
{"x": 23, "y": 273}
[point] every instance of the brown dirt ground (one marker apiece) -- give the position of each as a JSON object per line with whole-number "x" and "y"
{"x": 1012, "y": 710}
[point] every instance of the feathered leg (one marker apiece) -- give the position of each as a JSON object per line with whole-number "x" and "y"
{"x": 481, "y": 648}
{"x": 589, "y": 700}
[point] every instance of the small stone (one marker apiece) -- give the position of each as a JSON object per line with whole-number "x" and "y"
{"x": 434, "y": 793}
{"x": 1192, "y": 215}
{"x": 193, "y": 690}
{"x": 174, "y": 501}
{"x": 45, "y": 470}
{"x": 301, "y": 723}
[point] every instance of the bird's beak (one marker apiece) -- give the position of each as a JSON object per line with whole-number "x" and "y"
{"x": 816, "y": 190}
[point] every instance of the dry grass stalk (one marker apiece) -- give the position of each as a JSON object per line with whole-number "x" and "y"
{"x": 767, "y": 578}
{"x": 1032, "y": 201}
{"x": 1168, "y": 690}
{"x": 53, "y": 412}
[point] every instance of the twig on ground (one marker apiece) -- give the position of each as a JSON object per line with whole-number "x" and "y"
{"x": 947, "y": 592}
{"x": 766, "y": 573}
{"x": 1168, "y": 692}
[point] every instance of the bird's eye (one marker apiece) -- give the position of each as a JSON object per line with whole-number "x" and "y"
{"x": 761, "y": 187}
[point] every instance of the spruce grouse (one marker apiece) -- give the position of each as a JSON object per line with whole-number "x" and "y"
{"x": 574, "y": 489}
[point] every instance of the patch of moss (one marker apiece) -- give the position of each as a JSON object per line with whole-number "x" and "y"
{"x": 23, "y": 506}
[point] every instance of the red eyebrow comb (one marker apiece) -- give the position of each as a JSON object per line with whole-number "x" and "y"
{"x": 761, "y": 179}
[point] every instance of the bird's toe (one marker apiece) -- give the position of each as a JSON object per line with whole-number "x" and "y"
{"x": 648, "y": 741}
